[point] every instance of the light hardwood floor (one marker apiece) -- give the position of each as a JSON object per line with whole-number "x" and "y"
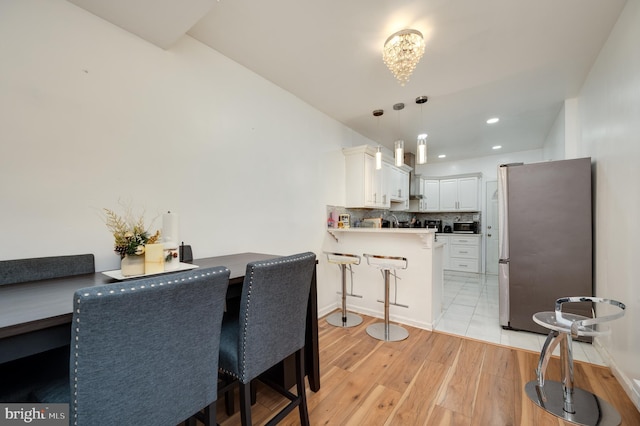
{"x": 431, "y": 378}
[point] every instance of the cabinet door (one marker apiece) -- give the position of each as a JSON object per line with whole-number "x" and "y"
{"x": 431, "y": 192}
{"x": 375, "y": 191}
{"x": 370, "y": 181}
{"x": 448, "y": 194}
{"x": 468, "y": 193}
{"x": 403, "y": 176}
{"x": 385, "y": 178}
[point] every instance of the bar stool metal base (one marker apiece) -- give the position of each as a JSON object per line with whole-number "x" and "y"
{"x": 589, "y": 409}
{"x": 393, "y": 333}
{"x": 336, "y": 319}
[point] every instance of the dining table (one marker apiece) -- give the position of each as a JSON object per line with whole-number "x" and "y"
{"x": 36, "y": 316}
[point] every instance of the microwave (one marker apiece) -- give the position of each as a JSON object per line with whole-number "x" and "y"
{"x": 465, "y": 227}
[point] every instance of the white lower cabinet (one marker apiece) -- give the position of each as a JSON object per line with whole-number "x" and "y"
{"x": 461, "y": 253}
{"x": 465, "y": 253}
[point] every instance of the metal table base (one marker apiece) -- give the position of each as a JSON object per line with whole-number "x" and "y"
{"x": 589, "y": 409}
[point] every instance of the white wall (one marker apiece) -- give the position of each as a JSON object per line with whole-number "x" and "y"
{"x": 553, "y": 148}
{"x": 609, "y": 105}
{"x": 91, "y": 114}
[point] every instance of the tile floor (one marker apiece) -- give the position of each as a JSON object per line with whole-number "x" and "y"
{"x": 471, "y": 309}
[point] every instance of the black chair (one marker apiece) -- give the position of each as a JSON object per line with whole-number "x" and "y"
{"x": 144, "y": 351}
{"x": 269, "y": 327}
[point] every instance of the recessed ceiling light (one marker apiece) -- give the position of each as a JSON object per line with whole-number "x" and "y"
{"x": 493, "y": 120}
{"x": 496, "y": 147}
{"x": 441, "y": 156}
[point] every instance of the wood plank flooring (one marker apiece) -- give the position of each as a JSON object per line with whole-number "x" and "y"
{"x": 430, "y": 379}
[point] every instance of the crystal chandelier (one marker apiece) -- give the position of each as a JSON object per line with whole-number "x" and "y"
{"x": 402, "y": 52}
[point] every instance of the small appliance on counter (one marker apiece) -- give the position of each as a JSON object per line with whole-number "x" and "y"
{"x": 465, "y": 227}
{"x": 344, "y": 221}
{"x": 434, "y": 224}
{"x": 371, "y": 223}
{"x": 447, "y": 229}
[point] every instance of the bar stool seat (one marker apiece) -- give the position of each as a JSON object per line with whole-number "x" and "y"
{"x": 562, "y": 399}
{"x": 384, "y": 330}
{"x": 344, "y": 318}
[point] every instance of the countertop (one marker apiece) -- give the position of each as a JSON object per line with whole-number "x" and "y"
{"x": 386, "y": 230}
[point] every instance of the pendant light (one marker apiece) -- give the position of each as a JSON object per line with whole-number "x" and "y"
{"x": 377, "y": 113}
{"x": 399, "y": 152}
{"x": 378, "y": 158}
{"x": 398, "y": 146}
{"x": 421, "y": 148}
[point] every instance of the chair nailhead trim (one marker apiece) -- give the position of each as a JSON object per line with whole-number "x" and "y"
{"x": 197, "y": 274}
{"x": 258, "y": 265}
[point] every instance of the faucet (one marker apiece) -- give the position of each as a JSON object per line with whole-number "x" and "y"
{"x": 396, "y": 219}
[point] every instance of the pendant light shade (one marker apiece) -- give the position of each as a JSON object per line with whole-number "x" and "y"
{"x": 399, "y": 152}
{"x": 422, "y": 149}
{"x": 378, "y": 159}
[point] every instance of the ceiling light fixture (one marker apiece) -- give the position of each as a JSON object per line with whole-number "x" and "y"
{"x": 377, "y": 113}
{"x": 421, "y": 148}
{"x": 442, "y": 156}
{"x": 402, "y": 52}
{"x": 496, "y": 147}
{"x": 399, "y": 152}
{"x": 398, "y": 146}
{"x": 493, "y": 120}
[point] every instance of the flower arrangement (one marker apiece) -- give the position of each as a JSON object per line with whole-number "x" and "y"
{"x": 129, "y": 233}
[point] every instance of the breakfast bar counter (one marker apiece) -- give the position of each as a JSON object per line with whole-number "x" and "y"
{"x": 418, "y": 293}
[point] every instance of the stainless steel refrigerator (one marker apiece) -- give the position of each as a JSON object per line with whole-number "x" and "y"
{"x": 545, "y": 239}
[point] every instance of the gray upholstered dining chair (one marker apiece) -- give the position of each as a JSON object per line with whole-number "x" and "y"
{"x": 144, "y": 351}
{"x": 269, "y": 327}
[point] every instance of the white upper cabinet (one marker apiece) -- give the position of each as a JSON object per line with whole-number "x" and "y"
{"x": 431, "y": 194}
{"x": 366, "y": 187}
{"x": 468, "y": 193}
{"x": 398, "y": 183}
{"x": 459, "y": 194}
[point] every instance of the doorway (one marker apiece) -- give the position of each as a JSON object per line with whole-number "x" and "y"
{"x": 491, "y": 262}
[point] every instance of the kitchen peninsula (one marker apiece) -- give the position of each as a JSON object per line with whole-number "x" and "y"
{"x": 418, "y": 293}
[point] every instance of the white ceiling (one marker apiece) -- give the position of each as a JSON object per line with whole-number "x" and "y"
{"x": 514, "y": 59}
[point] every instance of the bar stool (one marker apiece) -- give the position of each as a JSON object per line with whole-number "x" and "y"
{"x": 562, "y": 399}
{"x": 344, "y": 261}
{"x": 384, "y": 330}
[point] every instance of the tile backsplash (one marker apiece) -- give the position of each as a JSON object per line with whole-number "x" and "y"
{"x": 356, "y": 215}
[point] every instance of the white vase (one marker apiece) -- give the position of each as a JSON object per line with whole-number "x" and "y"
{"x": 132, "y": 265}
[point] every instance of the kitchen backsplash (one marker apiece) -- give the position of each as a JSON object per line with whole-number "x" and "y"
{"x": 356, "y": 216}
